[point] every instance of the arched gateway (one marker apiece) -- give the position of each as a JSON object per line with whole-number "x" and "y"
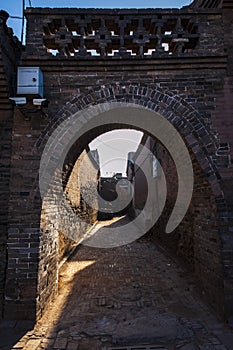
{"x": 111, "y": 68}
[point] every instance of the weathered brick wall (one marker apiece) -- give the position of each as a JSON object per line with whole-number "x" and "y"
{"x": 23, "y": 219}
{"x": 64, "y": 224}
{"x": 207, "y": 242}
{"x": 9, "y": 49}
{"x": 81, "y": 185}
{"x": 145, "y": 187}
{"x": 196, "y": 240}
{"x": 172, "y": 241}
{"x": 225, "y": 108}
{"x": 88, "y": 183}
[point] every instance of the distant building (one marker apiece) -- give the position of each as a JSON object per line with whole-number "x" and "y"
{"x": 95, "y": 155}
{"x": 130, "y": 166}
{"x": 141, "y": 170}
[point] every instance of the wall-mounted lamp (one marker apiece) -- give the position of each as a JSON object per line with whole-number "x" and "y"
{"x": 18, "y": 100}
{"x": 30, "y": 107}
{"x": 40, "y": 102}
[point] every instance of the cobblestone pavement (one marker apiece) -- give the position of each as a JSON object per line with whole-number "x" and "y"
{"x": 130, "y": 297}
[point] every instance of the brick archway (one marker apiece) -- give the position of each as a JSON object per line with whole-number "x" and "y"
{"x": 185, "y": 118}
{"x": 178, "y": 112}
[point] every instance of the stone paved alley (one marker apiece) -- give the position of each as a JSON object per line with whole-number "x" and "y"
{"x": 131, "y": 295}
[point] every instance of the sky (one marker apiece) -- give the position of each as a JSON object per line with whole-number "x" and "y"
{"x": 113, "y": 147}
{"x": 14, "y": 7}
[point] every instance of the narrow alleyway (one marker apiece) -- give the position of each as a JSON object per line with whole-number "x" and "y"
{"x": 128, "y": 297}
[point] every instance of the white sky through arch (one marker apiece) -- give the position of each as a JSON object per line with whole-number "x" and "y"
{"x": 113, "y": 148}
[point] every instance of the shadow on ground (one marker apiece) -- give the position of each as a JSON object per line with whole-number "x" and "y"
{"x": 12, "y": 331}
{"x": 128, "y": 295}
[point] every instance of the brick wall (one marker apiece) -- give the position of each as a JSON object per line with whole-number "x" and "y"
{"x": 9, "y": 50}
{"x": 64, "y": 224}
{"x": 196, "y": 241}
{"x": 23, "y": 219}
